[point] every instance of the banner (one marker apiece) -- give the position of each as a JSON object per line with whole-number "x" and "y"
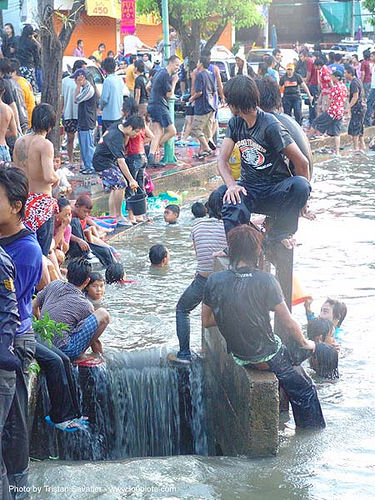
{"x": 108, "y": 8}
{"x": 127, "y": 23}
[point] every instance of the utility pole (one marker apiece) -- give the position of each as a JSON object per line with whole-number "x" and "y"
{"x": 169, "y": 156}
{"x": 352, "y": 31}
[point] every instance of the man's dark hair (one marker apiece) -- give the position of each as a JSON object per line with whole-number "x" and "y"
{"x": 242, "y": 93}
{"x": 27, "y": 31}
{"x": 114, "y": 273}
{"x": 5, "y": 66}
{"x": 78, "y": 271}
{"x": 276, "y": 51}
{"x": 317, "y": 327}
{"x": 84, "y": 200}
{"x": 319, "y": 62}
{"x": 349, "y": 69}
{"x": 172, "y": 59}
{"x": 269, "y": 94}
{"x": 2, "y": 86}
{"x": 215, "y": 204}
{"x": 129, "y": 107}
{"x": 262, "y": 69}
{"x": 157, "y": 253}
{"x": 101, "y": 45}
{"x": 338, "y": 57}
{"x": 16, "y": 186}
{"x": 173, "y": 208}
{"x": 109, "y": 65}
{"x": 43, "y": 118}
{"x": 304, "y": 53}
{"x": 269, "y": 60}
{"x": 139, "y": 66}
{"x": 205, "y": 60}
{"x": 93, "y": 58}
{"x": 78, "y": 64}
{"x": 79, "y": 41}
{"x": 95, "y": 276}
{"x": 331, "y": 56}
{"x": 339, "y": 310}
{"x": 367, "y": 54}
{"x": 244, "y": 244}
{"x": 134, "y": 121}
{"x": 198, "y": 210}
{"x": 62, "y": 203}
{"x": 110, "y": 53}
{"x": 132, "y": 59}
{"x": 338, "y": 74}
{"x": 15, "y": 66}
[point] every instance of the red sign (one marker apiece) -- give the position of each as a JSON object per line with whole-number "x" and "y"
{"x": 127, "y": 23}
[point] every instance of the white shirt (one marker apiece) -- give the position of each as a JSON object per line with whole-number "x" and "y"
{"x": 131, "y": 44}
{"x": 70, "y": 107}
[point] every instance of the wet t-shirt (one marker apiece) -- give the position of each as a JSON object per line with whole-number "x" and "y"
{"x": 110, "y": 150}
{"x": 140, "y": 83}
{"x": 356, "y": 86}
{"x": 161, "y": 85}
{"x": 261, "y": 148}
{"x": 241, "y": 302}
{"x": 291, "y": 84}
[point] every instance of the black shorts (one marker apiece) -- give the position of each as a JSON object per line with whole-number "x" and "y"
{"x": 71, "y": 126}
{"x": 159, "y": 114}
{"x": 356, "y": 122}
{"x": 325, "y": 123}
{"x": 189, "y": 110}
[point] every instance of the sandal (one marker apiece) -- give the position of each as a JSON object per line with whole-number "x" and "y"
{"x": 67, "y": 426}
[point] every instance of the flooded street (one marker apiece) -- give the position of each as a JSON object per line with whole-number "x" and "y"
{"x": 336, "y": 258}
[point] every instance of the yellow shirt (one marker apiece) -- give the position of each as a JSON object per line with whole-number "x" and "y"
{"x": 98, "y": 55}
{"x": 28, "y": 95}
{"x": 130, "y": 77}
{"x": 235, "y": 163}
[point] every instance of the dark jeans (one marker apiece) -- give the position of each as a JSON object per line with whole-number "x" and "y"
{"x": 16, "y": 436}
{"x": 293, "y": 103}
{"x": 136, "y": 164}
{"x": 189, "y": 300}
{"x": 45, "y": 234}
{"x": 62, "y": 389}
{"x": 314, "y": 91}
{"x": 7, "y": 390}
{"x": 283, "y": 201}
{"x": 300, "y": 390}
{"x": 370, "y": 108}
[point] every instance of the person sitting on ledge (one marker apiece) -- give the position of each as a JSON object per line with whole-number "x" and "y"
{"x": 266, "y": 184}
{"x": 66, "y": 303}
{"x": 238, "y": 301}
{"x": 159, "y": 255}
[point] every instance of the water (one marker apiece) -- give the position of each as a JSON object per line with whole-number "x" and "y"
{"x": 336, "y": 258}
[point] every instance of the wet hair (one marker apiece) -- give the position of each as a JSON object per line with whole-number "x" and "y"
{"x": 338, "y": 74}
{"x": 338, "y": 57}
{"x": 339, "y": 309}
{"x": 205, "y": 61}
{"x": 269, "y": 94}
{"x": 15, "y": 66}
{"x": 2, "y": 86}
{"x": 43, "y": 118}
{"x": 317, "y": 327}
{"x": 172, "y": 59}
{"x": 5, "y": 65}
{"x": 11, "y": 27}
{"x": 109, "y": 65}
{"x": 95, "y": 276}
{"x": 16, "y": 186}
{"x": 244, "y": 244}
{"x": 78, "y": 271}
{"x": 349, "y": 69}
{"x": 62, "y": 203}
{"x": 215, "y": 204}
{"x": 242, "y": 93}
{"x": 157, "y": 253}
{"x": 319, "y": 62}
{"x": 27, "y": 31}
{"x": 114, "y": 273}
{"x": 78, "y": 65}
{"x": 84, "y": 201}
{"x": 134, "y": 121}
{"x": 173, "y": 208}
{"x": 198, "y": 210}
{"x": 139, "y": 66}
{"x": 130, "y": 106}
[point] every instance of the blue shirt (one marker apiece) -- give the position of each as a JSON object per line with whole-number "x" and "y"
{"x": 205, "y": 84}
{"x": 112, "y": 97}
{"x": 161, "y": 86}
{"x": 337, "y": 67}
{"x": 26, "y": 254}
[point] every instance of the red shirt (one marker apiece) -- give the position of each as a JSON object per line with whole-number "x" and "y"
{"x": 366, "y": 70}
{"x": 136, "y": 145}
{"x": 313, "y": 72}
{"x": 325, "y": 79}
{"x": 337, "y": 97}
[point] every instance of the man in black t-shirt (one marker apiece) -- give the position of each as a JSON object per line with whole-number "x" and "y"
{"x": 140, "y": 90}
{"x": 292, "y": 101}
{"x": 267, "y": 184}
{"x": 357, "y": 109}
{"x": 109, "y": 162}
{"x": 163, "y": 86}
{"x": 238, "y": 302}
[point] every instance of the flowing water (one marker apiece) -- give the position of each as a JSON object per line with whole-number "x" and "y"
{"x": 336, "y": 258}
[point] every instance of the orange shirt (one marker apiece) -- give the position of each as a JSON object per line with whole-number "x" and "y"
{"x": 28, "y": 95}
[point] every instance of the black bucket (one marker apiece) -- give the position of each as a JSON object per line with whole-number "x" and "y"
{"x": 137, "y": 204}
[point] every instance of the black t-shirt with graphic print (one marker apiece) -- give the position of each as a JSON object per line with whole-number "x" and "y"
{"x": 261, "y": 148}
{"x": 291, "y": 84}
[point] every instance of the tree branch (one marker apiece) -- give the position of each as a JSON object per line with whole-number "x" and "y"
{"x": 71, "y": 22}
{"x": 216, "y": 35}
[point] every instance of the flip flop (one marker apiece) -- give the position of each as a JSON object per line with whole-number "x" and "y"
{"x": 62, "y": 426}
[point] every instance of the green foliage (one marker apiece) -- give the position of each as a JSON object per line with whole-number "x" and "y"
{"x": 370, "y": 6}
{"x": 47, "y": 328}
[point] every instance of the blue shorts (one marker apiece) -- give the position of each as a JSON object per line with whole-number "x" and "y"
{"x": 80, "y": 340}
{"x": 159, "y": 114}
{"x": 112, "y": 178}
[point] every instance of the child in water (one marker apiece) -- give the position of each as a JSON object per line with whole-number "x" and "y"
{"x": 332, "y": 309}
{"x": 199, "y": 210}
{"x": 115, "y": 273}
{"x": 95, "y": 290}
{"x": 325, "y": 358}
{"x": 171, "y": 214}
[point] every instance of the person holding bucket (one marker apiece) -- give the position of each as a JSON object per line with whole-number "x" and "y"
{"x": 109, "y": 162}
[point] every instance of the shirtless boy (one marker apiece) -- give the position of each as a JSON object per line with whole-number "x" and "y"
{"x": 34, "y": 154}
{"x": 8, "y": 127}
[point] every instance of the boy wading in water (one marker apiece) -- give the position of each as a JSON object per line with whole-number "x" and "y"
{"x": 33, "y": 153}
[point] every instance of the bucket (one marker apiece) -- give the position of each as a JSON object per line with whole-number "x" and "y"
{"x": 298, "y": 294}
{"x": 137, "y": 203}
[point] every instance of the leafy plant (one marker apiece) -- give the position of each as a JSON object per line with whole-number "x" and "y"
{"x": 47, "y": 328}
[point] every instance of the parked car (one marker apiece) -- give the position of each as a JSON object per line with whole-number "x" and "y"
{"x": 256, "y": 56}
{"x": 224, "y": 60}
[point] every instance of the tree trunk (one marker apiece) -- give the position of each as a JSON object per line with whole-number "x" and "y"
{"x": 190, "y": 40}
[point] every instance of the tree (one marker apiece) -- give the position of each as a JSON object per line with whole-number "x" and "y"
{"x": 192, "y": 18}
{"x": 53, "y": 47}
{"x": 370, "y": 6}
